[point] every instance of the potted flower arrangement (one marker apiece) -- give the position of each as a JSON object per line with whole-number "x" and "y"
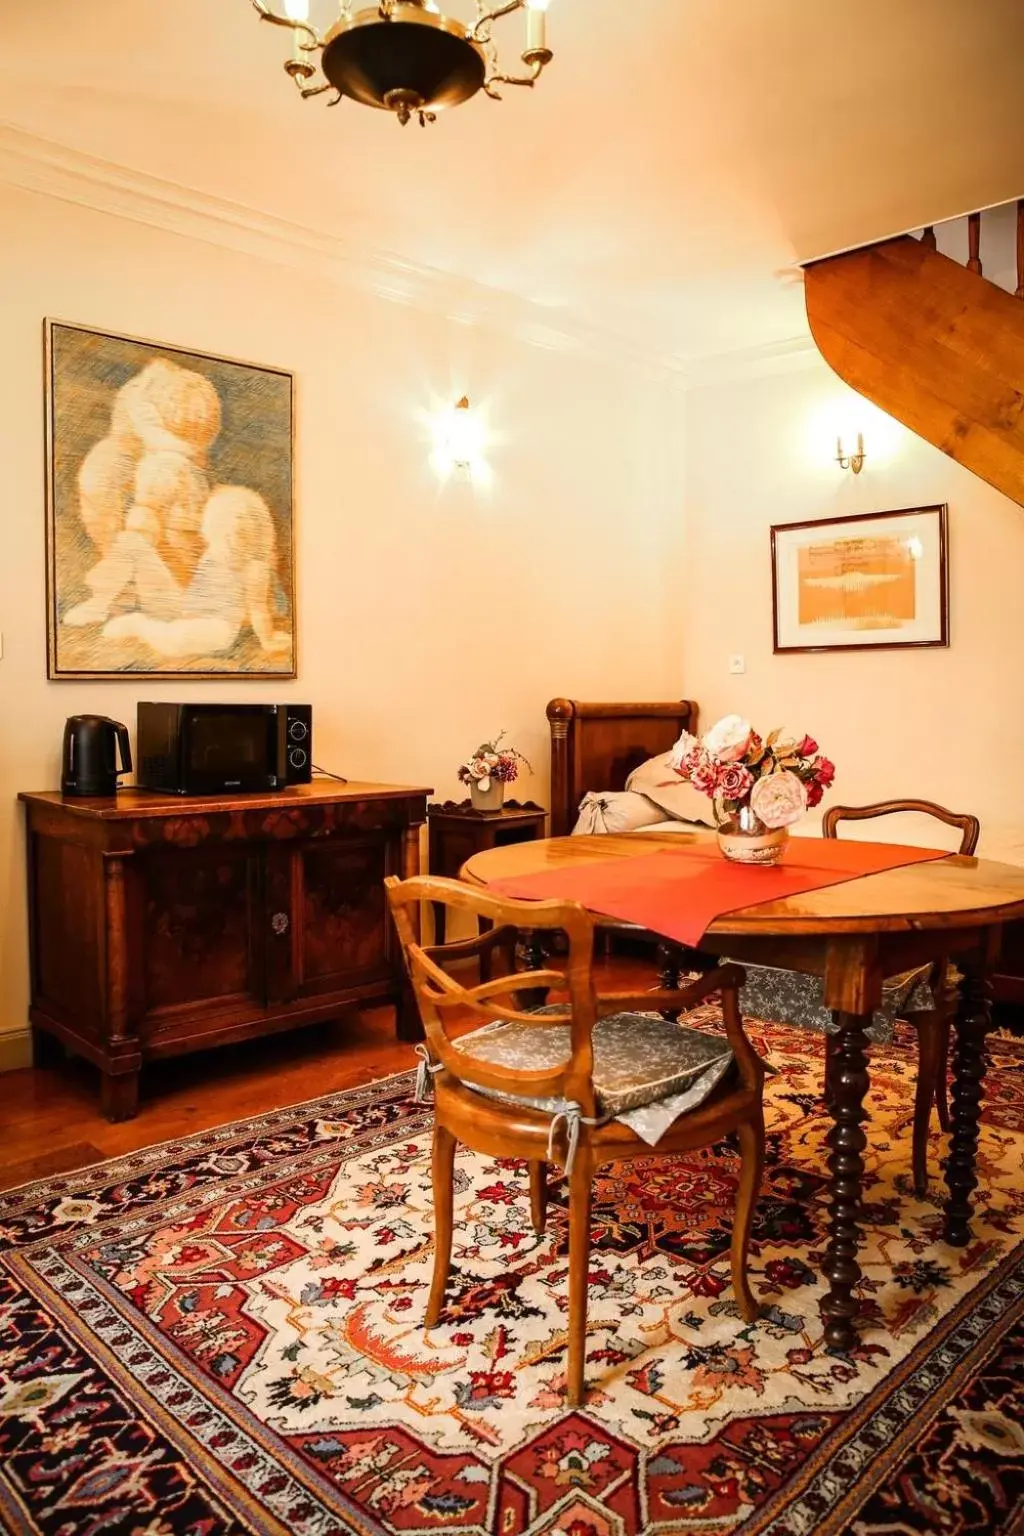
{"x": 491, "y": 767}
{"x": 759, "y": 787}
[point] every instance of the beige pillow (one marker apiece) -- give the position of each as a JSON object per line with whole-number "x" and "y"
{"x": 615, "y": 811}
{"x": 658, "y": 781}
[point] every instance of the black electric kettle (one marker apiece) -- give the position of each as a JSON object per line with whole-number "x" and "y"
{"x": 89, "y": 763}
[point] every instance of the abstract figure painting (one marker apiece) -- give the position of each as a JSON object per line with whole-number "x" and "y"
{"x": 169, "y": 511}
{"x": 858, "y": 583}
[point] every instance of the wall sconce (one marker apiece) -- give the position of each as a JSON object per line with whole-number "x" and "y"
{"x": 854, "y": 461}
{"x": 459, "y": 441}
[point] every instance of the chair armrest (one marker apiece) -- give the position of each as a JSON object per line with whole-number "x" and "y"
{"x": 483, "y": 944}
{"x": 678, "y": 999}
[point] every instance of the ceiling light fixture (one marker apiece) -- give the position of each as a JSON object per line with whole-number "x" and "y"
{"x": 404, "y": 56}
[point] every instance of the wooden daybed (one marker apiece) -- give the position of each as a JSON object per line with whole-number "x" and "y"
{"x": 597, "y": 746}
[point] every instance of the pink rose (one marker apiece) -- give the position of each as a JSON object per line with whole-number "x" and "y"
{"x": 703, "y": 773}
{"x": 779, "y": 800}
{"x": 729, "y": 739}
{"x": 824, "y": 772}
{"x": 735, "y": 782}
{"x": 807, "y": 747}
{"x": 815, "y": 793}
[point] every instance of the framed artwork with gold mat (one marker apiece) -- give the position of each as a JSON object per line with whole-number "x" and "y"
{"x": 170, "y": 548}
{"x": 861, "y": 583}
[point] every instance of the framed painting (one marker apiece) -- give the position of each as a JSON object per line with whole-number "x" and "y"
{"x": 169, "y": 511}
{"x": 861, "y": 583}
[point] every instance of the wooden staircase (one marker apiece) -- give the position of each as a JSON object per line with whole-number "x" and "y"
{"x": 933, "y": 343}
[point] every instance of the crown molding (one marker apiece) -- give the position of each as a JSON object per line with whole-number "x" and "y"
{"x": 57, "y": 170}
{"x": 793, "y": 354}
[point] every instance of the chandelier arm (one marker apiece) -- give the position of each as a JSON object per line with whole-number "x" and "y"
{"x": 483, "y": 22}
{"x": 315, "y": 41}
{"x": 306, "y": 91}
{"x": 537, "y": 65}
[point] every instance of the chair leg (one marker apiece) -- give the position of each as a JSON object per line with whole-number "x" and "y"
{"x": 580, "y": 1181}
{"x": 539, "y": 1196}
{"x": 930, "y": 1066}
{"x": 443, "y": 1174}
{"x": 751, "y": 1139}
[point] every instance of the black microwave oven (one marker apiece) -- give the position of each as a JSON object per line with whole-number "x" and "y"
{"x": 207, "y": 749}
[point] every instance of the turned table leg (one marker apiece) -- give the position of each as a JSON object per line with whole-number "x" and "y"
{"x": 846, "y": 1142}
{"x": 530, "y": 957}
{"x": 670, "y": 972}
{"x": 973, "y": 1020}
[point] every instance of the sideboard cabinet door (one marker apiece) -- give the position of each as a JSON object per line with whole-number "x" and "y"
{"x": 340, "y": 937}
{"x": 199, "y": 935}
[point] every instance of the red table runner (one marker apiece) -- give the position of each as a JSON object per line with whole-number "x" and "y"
{"x": 680, "y": 893}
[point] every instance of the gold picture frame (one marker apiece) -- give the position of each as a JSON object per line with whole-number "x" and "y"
{"x": 878, "y": 581}
{"x": 170, "y": 537}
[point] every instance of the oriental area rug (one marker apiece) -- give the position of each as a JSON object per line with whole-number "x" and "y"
{"x": 223, "y": 1335}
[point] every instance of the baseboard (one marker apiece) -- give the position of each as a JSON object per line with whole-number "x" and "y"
{"x": 15, "y": 1051}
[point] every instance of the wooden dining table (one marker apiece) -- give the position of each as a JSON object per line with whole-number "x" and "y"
{"x": 853, "y": 935}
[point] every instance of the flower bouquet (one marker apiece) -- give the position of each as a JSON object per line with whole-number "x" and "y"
{"x": 491, "y": 767}
{"x": 759, "y": 787}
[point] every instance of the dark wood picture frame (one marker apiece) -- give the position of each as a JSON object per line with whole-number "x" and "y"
{"x": 272, "y": 429}
{"x": 780, "y": 530}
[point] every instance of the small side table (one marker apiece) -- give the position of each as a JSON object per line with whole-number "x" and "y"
{"x": 457, "y": 832}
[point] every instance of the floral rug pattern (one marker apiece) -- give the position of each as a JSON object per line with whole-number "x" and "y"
{"x": 225, "y": 1334}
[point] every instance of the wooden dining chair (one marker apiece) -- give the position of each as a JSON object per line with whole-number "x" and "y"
{"x": 926, "y": 998}
{"x": 569, "y": 1084}
{"x": 930, "y": 1006}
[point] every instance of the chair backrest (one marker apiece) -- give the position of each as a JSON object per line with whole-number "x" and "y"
{"x": 970, "y": 826}
{"x": 440, "y": 994}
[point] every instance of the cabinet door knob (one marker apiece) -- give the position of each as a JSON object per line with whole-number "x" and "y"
{"x": 280, "y": 922}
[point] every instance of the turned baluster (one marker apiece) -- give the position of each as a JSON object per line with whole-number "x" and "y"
{"x": 974, "y": 243}
{"x": 1020, "y": 248}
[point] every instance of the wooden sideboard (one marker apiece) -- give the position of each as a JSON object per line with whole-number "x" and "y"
{"x": 161, "y": 925}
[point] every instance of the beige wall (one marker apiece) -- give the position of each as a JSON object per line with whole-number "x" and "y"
{"x": 428, "y": 618}
{"x": 944, "y": 724}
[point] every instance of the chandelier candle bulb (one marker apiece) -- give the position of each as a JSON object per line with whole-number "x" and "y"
{"x": 297, "y": 10}
{"x": 536, "y": 28}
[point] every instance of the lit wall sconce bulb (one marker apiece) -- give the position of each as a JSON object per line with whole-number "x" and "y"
{"x": 459, "y": 441}
{"x": 854, "y": 461}
{"x": 296, "y": 10}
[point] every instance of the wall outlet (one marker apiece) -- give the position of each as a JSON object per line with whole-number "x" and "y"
{"x": 737, "y": 666}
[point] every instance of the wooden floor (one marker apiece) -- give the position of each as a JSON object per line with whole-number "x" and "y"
{"x": 50, "y": 1120}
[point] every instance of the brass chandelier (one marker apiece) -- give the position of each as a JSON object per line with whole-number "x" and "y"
{"x": 404, "y": 56}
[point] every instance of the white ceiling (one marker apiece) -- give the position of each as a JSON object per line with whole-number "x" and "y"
{"x": 678, "y": 157}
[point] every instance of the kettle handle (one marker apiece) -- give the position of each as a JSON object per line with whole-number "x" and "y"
{"x": 124, "y": 745}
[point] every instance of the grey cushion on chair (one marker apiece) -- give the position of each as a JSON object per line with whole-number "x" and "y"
{"x": 647, "y": 1070}
{"x": 788, "y": 997}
